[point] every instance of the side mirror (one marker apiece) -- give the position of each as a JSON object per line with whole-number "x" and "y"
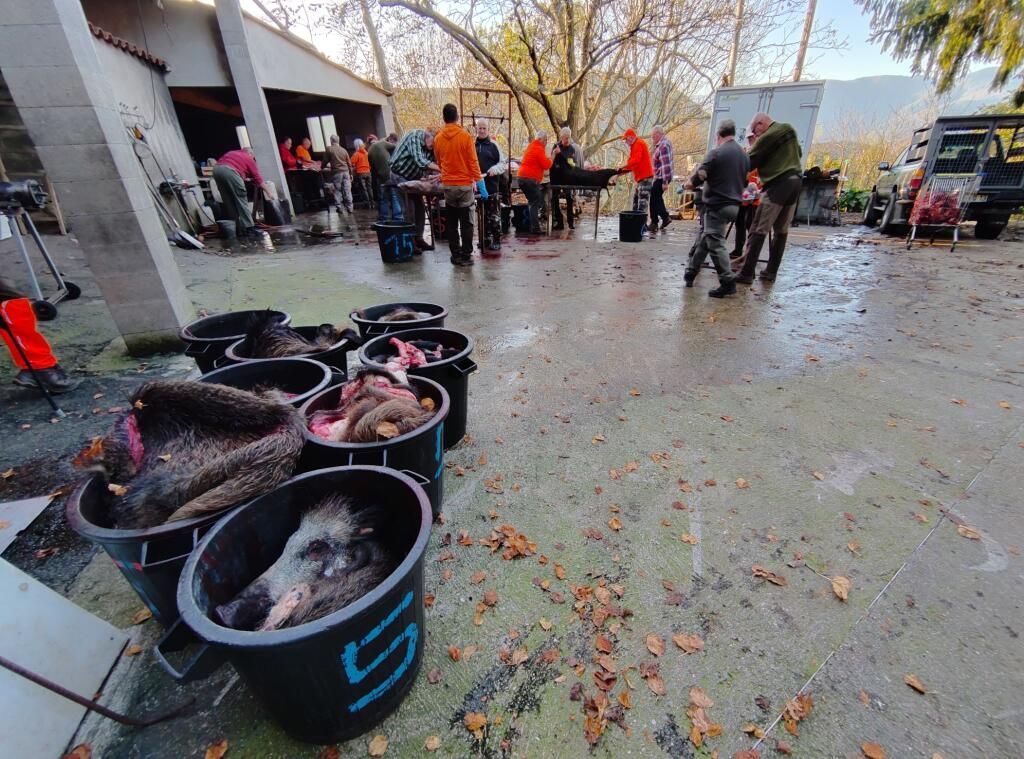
{"x": 883, "y": 166}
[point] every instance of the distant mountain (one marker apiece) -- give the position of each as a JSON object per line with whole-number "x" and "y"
{"x": 876, "y": 99}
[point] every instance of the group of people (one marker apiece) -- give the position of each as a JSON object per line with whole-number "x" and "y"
{"x": 725, "y": 174}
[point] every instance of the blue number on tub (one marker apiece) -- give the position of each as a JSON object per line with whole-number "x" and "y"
{"x": 356, "y": 675}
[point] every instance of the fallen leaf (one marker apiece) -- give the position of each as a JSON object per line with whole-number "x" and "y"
{"x": 432, "y": 743}
{"x": 921, "y": 518}
{"x": 608, "y": 663}
{"x": 914, "y": 682}
{"x": 133, "y": 650}
{"x": 742, "y": 484}
{"x": 559, "y": 571}
{"x": 853, "y": 547}
{"x": 783, "y": 748}
{"x": 468, "y": 651}
{"x": 634, "y": 392}
{"x": 631, "y": 466}
{"x": 597, "y": 439}
{"x": 810, "y": 358}
{"x": 966, "y": 531}
{"x": 434, "y": 676}
{"x": 750, "y": 753}
{"x": 615, "y": 523}
{"x": 958, "y": 401}
{"x": 387, "y": 430}
{"x": 142, "y": 615}
{"x": 726, "y": 418}
{"x": 678, "y": 505}
{"x": 377, "y": 746}
{"x": 491, "y": 597}
{"x": 81, "y": 751}
{"x": 454, "y": 653}
{"x": 766, "y": 574}
{"x": 699, "y": 698}
{"x": 751, "y": 729}
{"x": 626, "y": 699}
{"x": 863, "y": 697}
{"x": 603, "y": 645}
{"x": 217, "y": 750}
{"x": 841, "y": 587}
{"x": 482, "y": 461}
{"x": 519, "y": 656}
{"x": 475, "y": 722}
{"x": 478, "y": 577}
{"x": 428, "y": 600}
{"x": 690, "y": 644}
{"x": 797, "y": 709}
{"x": 656, "y": 684}
{"x": 545, "y": 624}
{"x": 117, "y": 490}
{"x": 655, "y": 644}
{"x": 872, "y": 751}
{"x": 688, "y": 538}
{"x": 1004, "y": 404}
{"x": 818, "y": 475}
{"x": 710, "y": 483}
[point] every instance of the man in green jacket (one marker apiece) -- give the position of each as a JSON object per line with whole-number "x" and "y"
{"x": 776, "y": 156}
{"x": 389, "y": 208}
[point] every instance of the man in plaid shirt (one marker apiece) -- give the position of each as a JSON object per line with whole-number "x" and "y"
{"x": 663, "y": 161}
{"x": 413, "y": 159}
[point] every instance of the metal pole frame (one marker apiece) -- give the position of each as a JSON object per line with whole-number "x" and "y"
{"x": 486, "y": 91}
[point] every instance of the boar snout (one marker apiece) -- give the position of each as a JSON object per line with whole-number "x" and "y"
{"x": 248, "y": 609}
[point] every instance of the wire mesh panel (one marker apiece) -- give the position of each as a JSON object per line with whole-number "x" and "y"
{"x": 1003, "y": 166}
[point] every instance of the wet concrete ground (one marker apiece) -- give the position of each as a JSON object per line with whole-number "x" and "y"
{"x": 840, "y": 423}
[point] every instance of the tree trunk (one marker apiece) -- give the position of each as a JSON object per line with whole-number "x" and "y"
{"x": 804, "y": 40}
{"x": 382, "y": 64}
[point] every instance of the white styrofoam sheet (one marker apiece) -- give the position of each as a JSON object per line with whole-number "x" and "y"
{"x": 15, "y": 516}
{"x": 44, "y": 632}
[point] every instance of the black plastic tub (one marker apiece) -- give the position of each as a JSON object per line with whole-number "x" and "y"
{"x": 206, "y": 339}
{"x": 419, "y": 454}
{"x": 631, "y": 226}
{"x": 336, "y": 677}
{"x": 451, "y": 373}
{"x": 300, "y": 378}
{"x": 335, "y": 356}
{"x": 151, "y": 560}
{"x": 369, "y": 326}
{"x": 395, "y": 240}
{"x": 521, "y": 217}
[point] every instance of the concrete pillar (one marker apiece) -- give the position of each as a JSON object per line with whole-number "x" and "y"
{"x": 60, "y": 89}
{"x": 250, "y": 95}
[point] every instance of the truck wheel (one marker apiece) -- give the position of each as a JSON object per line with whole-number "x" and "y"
{"x": 871, "y": 213}
{"x": 887, "y": 226}
{"x": 989, "y": 230}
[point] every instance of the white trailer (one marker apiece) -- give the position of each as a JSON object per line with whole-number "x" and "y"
{"x": 794, "y": 103}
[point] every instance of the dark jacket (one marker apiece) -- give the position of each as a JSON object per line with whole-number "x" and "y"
{"x": 380, "y": 160}
{"x": 726, "y": 167}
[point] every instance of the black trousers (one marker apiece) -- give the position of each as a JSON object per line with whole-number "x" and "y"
{"x": 459, "y": 222}
{"x": 556, "y": 210}
{"x": 743, "y": 220}
{"x": 658, "y": 210}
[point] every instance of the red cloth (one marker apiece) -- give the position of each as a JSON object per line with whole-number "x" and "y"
{"x": 287, "y": 159}
{"x": 243, "y": 163}
{"x": 535, "y": 161}
{"x": 20, "y": 317}
{"x": 640, "y": 162}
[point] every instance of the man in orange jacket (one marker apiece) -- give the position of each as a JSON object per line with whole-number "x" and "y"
{"x": 460, "y": 173}
{"x": 18, "y": 315}
{"x": 642, "y": 166}
{"x": 361, "y": 165}
{"x": 531, "y": 173}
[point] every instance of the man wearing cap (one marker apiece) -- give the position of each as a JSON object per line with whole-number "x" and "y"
{"x": 724, "y": 175}
{"x": 642, "y": 167}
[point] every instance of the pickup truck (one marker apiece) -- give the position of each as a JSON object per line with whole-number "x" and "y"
{"x": 991, "y": 146}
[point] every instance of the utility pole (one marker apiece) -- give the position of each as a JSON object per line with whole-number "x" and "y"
{"x": 804, "y": 40}
{"x": 734, "y": 54}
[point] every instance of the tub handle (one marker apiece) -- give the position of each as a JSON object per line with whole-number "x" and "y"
{"x": 371, "y": 329}
{"x": 353, "y": 455}
{"x": 221, "y": 361}
{"x": 192, "y": 350}
{"x": 416, "y": 476}
{"x": 468, "y": 367}
{"x": 197, "y": 535}
{"x": 205, "y": 662}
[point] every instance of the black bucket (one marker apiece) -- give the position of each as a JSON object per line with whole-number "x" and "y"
{"x": 370, "y": 327}
{"x": 521, "y": 217}
{"x": 451, "y": 373}
{"x": 419, "y": 454}
{"x": 631, "y": 226}
{"x": 336, "y": 677}
{"x": 206, "y": 339}
{"x": 299, "y": 378}
{"x": 395, "y": 240}
{"x": 151, "y": 560}
{"x": 335, "y": 357}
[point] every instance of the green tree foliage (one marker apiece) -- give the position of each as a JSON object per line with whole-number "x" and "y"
{"x": 944, "y": 37}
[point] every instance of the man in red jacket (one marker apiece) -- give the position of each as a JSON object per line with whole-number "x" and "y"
{"x": 531, "y": 173}
{"x": 19, "y": 316}
{"x": 642, "y": 167}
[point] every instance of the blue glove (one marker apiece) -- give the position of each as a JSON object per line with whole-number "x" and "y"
{"x": 481, "y": 186}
